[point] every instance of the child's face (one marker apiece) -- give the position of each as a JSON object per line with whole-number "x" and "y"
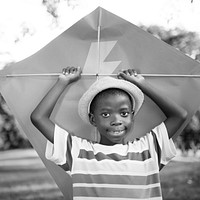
{"x": 113, "y": 118}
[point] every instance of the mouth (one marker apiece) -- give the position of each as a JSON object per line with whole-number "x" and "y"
{"x": 116, "y": 133}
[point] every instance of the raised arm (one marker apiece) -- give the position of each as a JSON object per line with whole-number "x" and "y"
{"x": 40, "y": 117}
{"x": 175, "y": 114}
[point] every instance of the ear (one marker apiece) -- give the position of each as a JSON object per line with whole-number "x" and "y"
{"x": 132, "y": 117}
{"x": 91, "y": 118}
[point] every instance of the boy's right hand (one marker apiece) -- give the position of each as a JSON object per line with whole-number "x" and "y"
{"x": 40, "y": 117}
{"x": 70, "y": 74}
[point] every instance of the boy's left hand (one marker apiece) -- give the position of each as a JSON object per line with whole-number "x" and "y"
{"x": 131, "y": 75}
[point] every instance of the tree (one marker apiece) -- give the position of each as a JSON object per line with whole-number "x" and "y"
{"x": 10, "y": 137}
{"x": 52, "y": 6}
{"x": 189, "y": 44}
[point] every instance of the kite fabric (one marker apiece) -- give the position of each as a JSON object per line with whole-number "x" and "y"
{"x": 100, "y": 43}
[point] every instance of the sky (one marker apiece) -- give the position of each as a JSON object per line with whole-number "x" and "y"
{"x": 18, "y": 14}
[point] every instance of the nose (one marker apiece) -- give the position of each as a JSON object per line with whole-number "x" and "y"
{"x": 116, "y": 121}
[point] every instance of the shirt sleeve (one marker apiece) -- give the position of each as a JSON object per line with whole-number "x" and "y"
{"x": 164, "y": 146}
{"x": 59, "y": 152}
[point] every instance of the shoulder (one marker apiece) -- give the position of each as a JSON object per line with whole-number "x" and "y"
{"x": 157, "y": 136}
{"x": 64, "y": 134}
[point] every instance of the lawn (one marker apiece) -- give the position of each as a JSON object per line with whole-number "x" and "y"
{"x": 181, "y": 181}
{"x": 24, "y": 177}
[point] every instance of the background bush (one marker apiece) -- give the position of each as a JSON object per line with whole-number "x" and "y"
{"x": 187, "y": 42}
{"x": 10, "y": 136}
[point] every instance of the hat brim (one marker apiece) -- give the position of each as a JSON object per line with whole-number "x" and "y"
{"x": 106, "y": 83}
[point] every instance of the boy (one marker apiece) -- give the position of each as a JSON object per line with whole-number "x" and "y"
{"x": 111, "y": 169}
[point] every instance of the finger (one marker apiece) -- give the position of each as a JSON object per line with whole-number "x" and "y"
{"x": 125, "y": 72}
{"x": 121, "y": 75}
{"x": 79, "y": 70}
{"x": 76, "y": 70}
{"x": 64, "y": 70}
{"x": 131, "y": 71}
{"x": 72, "y": 70}
{"x": 121, "y": 71}
{"x": 67, "y": 70}
{"x": 135, "y": 73}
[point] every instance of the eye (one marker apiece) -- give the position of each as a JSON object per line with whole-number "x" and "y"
{"x": 124, "y": 114}
{"x": 105, "y": 115}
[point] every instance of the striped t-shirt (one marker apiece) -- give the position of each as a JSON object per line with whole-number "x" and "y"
{"x": 122, "y": 171}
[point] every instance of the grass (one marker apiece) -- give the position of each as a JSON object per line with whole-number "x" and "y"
{"x": 181, "y": 181}
{"x": 24, "y": 177}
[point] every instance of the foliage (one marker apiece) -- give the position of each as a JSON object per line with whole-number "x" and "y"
{"x": 10, "y": 137}
{"x": 52, "y": 6}
{"x": 182, "y": 40}
{"x": 189, "y": 44}
{"x": 181, "y": 180}
{"x": 190, "y": 137}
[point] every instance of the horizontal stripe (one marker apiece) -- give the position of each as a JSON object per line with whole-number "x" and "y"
{"x": 136, "y": 146}
{"x": 116, "y": 173}
{"x": 110, "y": 198}
{"x": 117, "y": 193}
{"x": 126, "y": 167}
{"x": 116, "y": 186}
{"x": 116, "y": 179}
{"x": 116, "y": 157}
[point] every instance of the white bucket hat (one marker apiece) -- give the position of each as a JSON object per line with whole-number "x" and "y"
{"x": 106, "y": 83}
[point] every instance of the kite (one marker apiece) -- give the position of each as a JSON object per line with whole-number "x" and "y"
{"x": 101, "y": 43}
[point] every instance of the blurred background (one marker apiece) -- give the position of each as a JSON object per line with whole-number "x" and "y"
{"x": 28, "y": 25}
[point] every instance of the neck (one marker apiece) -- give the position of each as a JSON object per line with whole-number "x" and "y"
{"x": 105, "y": 141}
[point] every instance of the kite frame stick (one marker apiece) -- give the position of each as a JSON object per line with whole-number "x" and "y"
{"x": 145, "y": 75}
{"x": 98, "y": 40}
